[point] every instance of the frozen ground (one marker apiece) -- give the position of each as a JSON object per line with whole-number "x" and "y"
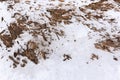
{"x": 86, "y": 63}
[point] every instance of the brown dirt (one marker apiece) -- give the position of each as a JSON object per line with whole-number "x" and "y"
{"x": 94, "y": 56}
{"x": 59, "y": 15}
{"x": 7, "y": 40}
{"x": 108, "y": 43}
{"x": 100, "y": 6}
{"x": 15, "y": 29}
{"x": 28, "y": 53}
{"x": 114, "y": 58}
{"x": 66, "y": 57}
{"x": 118, "y": 1}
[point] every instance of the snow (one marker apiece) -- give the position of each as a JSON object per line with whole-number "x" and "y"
{"x": 54, "y": 68}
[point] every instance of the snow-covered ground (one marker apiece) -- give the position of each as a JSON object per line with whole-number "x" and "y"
{"x": 78, "y": 42}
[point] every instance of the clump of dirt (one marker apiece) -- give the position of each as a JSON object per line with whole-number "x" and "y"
{"x": 114, "y": 58}
{"x": 43, "y": 55}
{"x": 66, "y": 57}
{"x": 90, "y": 15}
{"x": 29, "y": 53}
{"x": 16, "y": 1}
{"x": 15, "y": 61}
{"x": 59, "y": 15}
{"x": 101, "y": 5}
{"x": 107, "y": 44}
{"x": 61, "y": 0}
{"x": 94, "y": 56}
{"x": 15, "y": 30}
{"x": 7, "y": 40}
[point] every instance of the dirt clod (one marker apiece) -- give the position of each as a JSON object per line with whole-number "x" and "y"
{"x": 66, "y": 57}
{"x": 94, "y": 56}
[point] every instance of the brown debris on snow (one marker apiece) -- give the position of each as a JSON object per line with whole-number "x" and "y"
{"x": 118, "y": 1}
{"x": 15, "y": 31}
{"x": 43, "y": 55}
{"x": 114, "y": 58}
{"x": 108, "y": 44}
{"x": 15, "y": 62}
{"x": 7, "y": 40}
{"x": 94, "y": 56}
{"x": 66, "y": 57}
{"x": 28, "y": 53}
{"x": 32, "y": 51}
{"x": 61, "y": 0}
{"x": 43, "y": 32}
{"x": 101, "y": 5}
{"x": 59, "y": 15}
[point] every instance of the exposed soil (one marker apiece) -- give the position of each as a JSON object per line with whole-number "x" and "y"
{"x": 101, "y": 5}
{"x": 117, "y": 1}
{"x": 108, "y": 44}
{"x": 94, "y": 57}
{"x": 66, "y": 57}
{"x": 60, "y": 15}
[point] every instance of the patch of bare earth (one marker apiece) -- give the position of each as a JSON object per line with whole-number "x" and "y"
{"x": 94, "y": 57}
{"x": 60, "y": 15}
{"x": 107, "y": 44}
{"x": 101, "y": 5}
